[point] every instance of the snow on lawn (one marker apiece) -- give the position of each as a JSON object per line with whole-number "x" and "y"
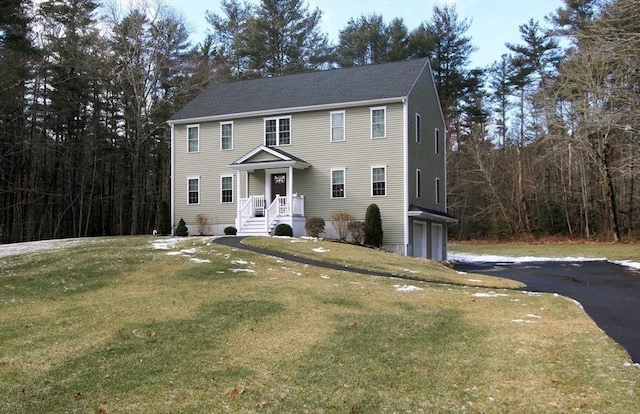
{"x": 506, "y": 260}
{"x": 37, "y": 246}
{"x": 320, "y": 250}
{"x": 406, "y": 288}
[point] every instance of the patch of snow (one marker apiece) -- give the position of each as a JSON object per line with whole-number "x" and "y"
{"x": 530, "y": 315}
{"x": 474, "y": 280}
{"x": 165, "y": 244}
{"x": 239, "y": 262}
{"x": 37, "y": 246}
{"x": 489, "y": 295}
{"x": 242, "y": 270}
{"x": 521, "y": 321}
{"x": 627, "y": 263}
{"x": 460, "y": 272}
{"x": 196, "y": 260}
{"x": 411, "y": 271}
{"x": 173, "y": 253}
{"x": 407, "y": 288}
{"x": 631, "y": 364}
{"x": 508, "y": 260}
{"x": 298, "y": 241}
{"x": 532, "y": 293}
{"x": 325, "y": 277}
{"x": 320, "y": 250}
{"x": 188, "y": 251}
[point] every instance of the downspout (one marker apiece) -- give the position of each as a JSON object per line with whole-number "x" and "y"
{"x": 173, "y": 178}
{"x": 405, "y": 212}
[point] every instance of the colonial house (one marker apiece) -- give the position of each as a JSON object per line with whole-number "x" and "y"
{"x": 255, "y": 153}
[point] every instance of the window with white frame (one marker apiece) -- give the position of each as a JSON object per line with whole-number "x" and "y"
{"x": 277, "y": 131}
{"x": 337, "y": 183}
{"x": 226, "y": 189}
{"x": 226, "y": 135}
{"x": 437, "y": 190}
{"x": 193, "y": 138}
{"x": 337, "y": 126}
{"x": 418, "y": 183}
{"x": 436, "y": 138}
{"x": 418, "y": 128}
{"x": 378, "y": 122}
{"x": 193, "y": 190}
{"x": 378, "y": 181}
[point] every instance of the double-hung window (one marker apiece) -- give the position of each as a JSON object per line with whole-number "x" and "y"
{"x": 226, "y": 189}
{"x": 337, "y": 126}
{"x": 418, "y": 128}
{"x": 193, "y": 190}
{"x": 193, "y": 138}
{"x": 277, "y": 131}
{"x": 378, "y": 122}
{"x": 378, "y": 181}
{"x": 226, "y": 135}
{"x": 337, "y": 184}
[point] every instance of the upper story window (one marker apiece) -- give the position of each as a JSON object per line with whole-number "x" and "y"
{"x": 436, "y": 138}
{"x": 437, "y": 190}
{"x": 418, "y": 128}
{"x": 226, "y": 189}
{"x": 418, "y": 183}
{"x": 337, "y": 126}
{"x": 277, "y": 131}
{"x": 378, "y": 122}
{"x": 226, "y": 135}
{"x": 193, "y": 190}
{"x": 193, "y": 138}
{"x": 337, "y": 184}
{"x": 378, "y": 181}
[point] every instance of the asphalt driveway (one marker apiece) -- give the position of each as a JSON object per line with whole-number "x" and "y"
{"x": 609, "y": 293}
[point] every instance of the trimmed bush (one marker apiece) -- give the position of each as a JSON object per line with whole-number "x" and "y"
{"x": 164, "y": 221}
{"x": 314, "y": 226}
{"x": 356, "y": 228}
{"x": 182, "y": 230}
{"x": 373, "y": 226}
{"x": 283, "y": 229}
{"x": 230, "y": 231}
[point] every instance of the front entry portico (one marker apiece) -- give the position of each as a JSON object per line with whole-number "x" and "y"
{"x": 259, "y": 212}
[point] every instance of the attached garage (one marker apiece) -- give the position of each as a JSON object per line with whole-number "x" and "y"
{"x": 428, "y": 233}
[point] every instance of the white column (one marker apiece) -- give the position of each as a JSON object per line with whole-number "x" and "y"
{"x": 290, "y": 191}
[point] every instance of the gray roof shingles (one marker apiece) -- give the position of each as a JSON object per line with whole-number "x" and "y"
{"x": 360, "y": 83}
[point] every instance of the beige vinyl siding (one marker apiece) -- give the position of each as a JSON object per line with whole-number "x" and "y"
{"x": 310, "y": 141}
{"x": 422, "y": 155}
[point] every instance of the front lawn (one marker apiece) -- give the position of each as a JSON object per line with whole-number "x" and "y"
{"x": 118, "y": 325}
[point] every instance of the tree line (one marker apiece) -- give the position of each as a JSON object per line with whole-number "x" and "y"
{"x": 544, "y": 141}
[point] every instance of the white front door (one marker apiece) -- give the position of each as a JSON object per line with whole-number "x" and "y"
{"x": 420, "y": 239}
{"x": 436, "y": 241}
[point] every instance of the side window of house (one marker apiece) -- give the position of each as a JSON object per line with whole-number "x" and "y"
{"x": 193, "y": 138}
{"x": 193, "y": 190}
{"x": 226, "y": 189}
{"x": 418, "y": 183}
{"x": 418, "y": 128}
{"x": 436, "y": 140}
{"x": 378, "y": 122}
{"x": 277, "y": 131}
{"x": 437, "y": 190}
{"x": 378, "y": 181}
{"x": 226, "y": 135}
{"x": 337, "y": 126}
{"x": 337, "y": 184}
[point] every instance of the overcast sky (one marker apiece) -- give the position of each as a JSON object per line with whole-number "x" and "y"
{"x": 493, "y": 22}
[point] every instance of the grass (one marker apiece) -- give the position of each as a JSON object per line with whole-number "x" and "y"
{"x": 353, "y": 256}
{"x": 116, "y": 326}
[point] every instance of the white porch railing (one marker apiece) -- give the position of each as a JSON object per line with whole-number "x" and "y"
{"x": 255, "y": 206}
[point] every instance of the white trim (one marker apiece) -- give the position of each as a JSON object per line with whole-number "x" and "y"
{"x": 405, "y": 173}
{"x": 344, "y": 125}
{"x": 189, "y": 178}
{"x": 173, "y": 177}
{"x": 418, "y": 183}
{"x": 268, "y": 179}
{"x": 290, "y": 110}
{"x": 386, "y": 181}
{"x": 378, "y": 108}
{"x": 226, "y": 123}
{"x": 197, "y": 126}
{"x": 418, "y": 128}
{"x": 233, "y": 196}
{"x": 277, "y": 119}
{"x": 344, "y": 183}
{"x": 436, "y": 141}
{"x": 259, "y": 149}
